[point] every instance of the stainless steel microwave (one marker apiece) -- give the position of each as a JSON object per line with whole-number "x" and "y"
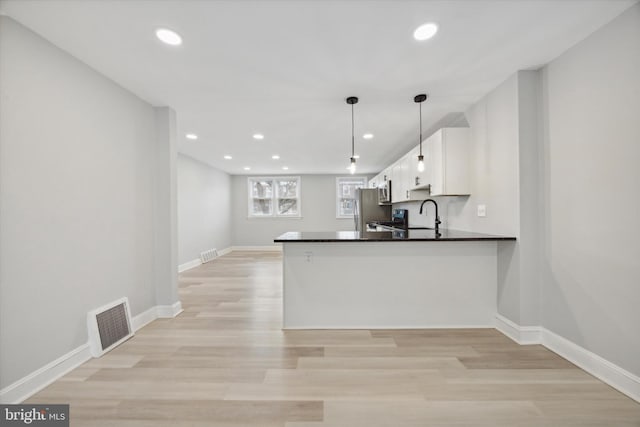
{"x": 384, "y": 193}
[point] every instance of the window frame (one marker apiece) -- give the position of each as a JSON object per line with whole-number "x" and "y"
{"x": 274, "y": 196}
{"x": 365, "y": 183}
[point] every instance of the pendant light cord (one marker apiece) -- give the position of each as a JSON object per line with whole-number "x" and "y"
{"x": 420, "y": 104}
{"x": 353, "y": 143}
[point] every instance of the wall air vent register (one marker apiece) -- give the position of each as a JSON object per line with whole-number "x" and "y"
{"x": 109, "y": 326}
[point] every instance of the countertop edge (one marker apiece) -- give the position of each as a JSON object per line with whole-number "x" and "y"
{"x": 469, "y": 237}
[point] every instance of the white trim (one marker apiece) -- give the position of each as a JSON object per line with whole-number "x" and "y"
{"x": 386, "y": 328}
{"x": 275, "y": 248}
{"x": 144, "y": 318}
{"x": 27, "y": 386}
{"x": 274, "y": 196}
{"x": 198, "y": 262}
{"x": 612, "y": 374}
{"x": 225, "y": 251}
{"x": 189, "y": 265}
{"x": 365, "y": 184}
{"x": 523, "y": 335}
{"x": 608, "y": 372}
{"x": 169, "y": 311}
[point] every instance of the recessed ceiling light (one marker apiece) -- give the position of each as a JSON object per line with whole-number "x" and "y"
{"x": 169, "y": 37}
{"x": 367, "y": 136}
{"x": 275, "y": 157}
{"x": 285, "y": 168}
{"x": 247, "y": 168}
{"x": 258, "y": 136}
{"x": 191, "y": 136}
{"x": 425, "y": 31}
{"x": 228, "y": 157}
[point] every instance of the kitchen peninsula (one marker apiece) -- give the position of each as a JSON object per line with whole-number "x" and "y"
{"x": 390, "y": 279}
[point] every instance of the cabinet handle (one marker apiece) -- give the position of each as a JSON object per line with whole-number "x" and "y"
{"x": 417, "y": 181}
{"x": 407, "y": 194}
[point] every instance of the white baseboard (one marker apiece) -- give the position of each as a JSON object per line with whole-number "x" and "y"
{"x": 189, "y": 265}
{"x": 610, "y": 373}
{"x": 144, "y": 318}
{"x": 198, "y": 262}
{"x": 27, "y": 386}
{"x": 225, "y": 251}
{"x": 382, "y": 327}
{"x": 169, "y": 311}
{"x": 523, "y": 335}
{"x": 275, "y": 248}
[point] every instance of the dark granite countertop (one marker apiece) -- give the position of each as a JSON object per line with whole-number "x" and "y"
{"x": 419, "y": 235}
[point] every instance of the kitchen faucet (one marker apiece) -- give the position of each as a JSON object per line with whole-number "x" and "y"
{"x": 437, "y": 221}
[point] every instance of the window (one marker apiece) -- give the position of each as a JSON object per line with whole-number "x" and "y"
{"x": 346, "y": 195}
{"x": 274, "y": 197}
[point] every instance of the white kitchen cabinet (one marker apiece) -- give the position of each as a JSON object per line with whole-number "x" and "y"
{"x": 385, "y": 176}
{"x": 373, "y": 182}
{"x": 447, "y": 162}
{"x": 419, "y": 180}
{"x": 399, "y": 188}
{"x": 403, "y": 178}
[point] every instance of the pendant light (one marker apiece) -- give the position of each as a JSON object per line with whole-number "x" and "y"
{"x": 352, "y": 167}
{"x": 419, "y": 99}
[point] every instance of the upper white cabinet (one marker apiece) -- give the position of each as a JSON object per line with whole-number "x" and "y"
{"x": 399, "y": 187}
{"x": 403, "y": 178}
{"x": 447, "y": 161}
{"x": 446, "y": 172}
{"x": 419, "y": 180}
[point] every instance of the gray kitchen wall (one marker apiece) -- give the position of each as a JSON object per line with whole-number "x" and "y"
{"x": 204, "y": 209}
{"x": 591, "y": 282}
{"x": 318, "y": 201}
{"x": 79, "y": 183}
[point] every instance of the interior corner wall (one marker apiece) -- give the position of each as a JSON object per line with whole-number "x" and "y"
{"x": 204, "y": 209}
{"x": 77, "y": 188}
{"x": 591, "y": 274}
{"x": 318, "y": 203}
{"x": 165, "y": 207}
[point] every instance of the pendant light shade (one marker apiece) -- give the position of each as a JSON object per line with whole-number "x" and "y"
{"x": 352, "y": 166}
{"x": 419, "y": 99}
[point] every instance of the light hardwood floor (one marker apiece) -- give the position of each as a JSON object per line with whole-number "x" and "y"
{"x": 225, "y": 362}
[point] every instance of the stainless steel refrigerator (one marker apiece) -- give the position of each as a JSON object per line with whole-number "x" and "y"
{"x": 367, "y": 209}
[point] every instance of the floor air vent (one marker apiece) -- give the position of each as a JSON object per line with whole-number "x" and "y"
{"x": 208, "y": 255}
{"x": 109, "y": 326}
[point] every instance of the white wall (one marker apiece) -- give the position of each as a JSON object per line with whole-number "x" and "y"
{"x": 318, "y": 201}
{"x": 494, "y": 169}
{"x": 78, "y": 187}
{"x": 204, "y": 209}
{"x": 591, "y": 287}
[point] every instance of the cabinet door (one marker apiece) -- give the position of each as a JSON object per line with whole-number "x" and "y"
{"x": 398, "y": 187}
{"x": 435, "y": 157}
{"x": 419, "y": 180}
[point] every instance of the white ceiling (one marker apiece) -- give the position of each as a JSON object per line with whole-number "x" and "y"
{"x": 284, "y": 68}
